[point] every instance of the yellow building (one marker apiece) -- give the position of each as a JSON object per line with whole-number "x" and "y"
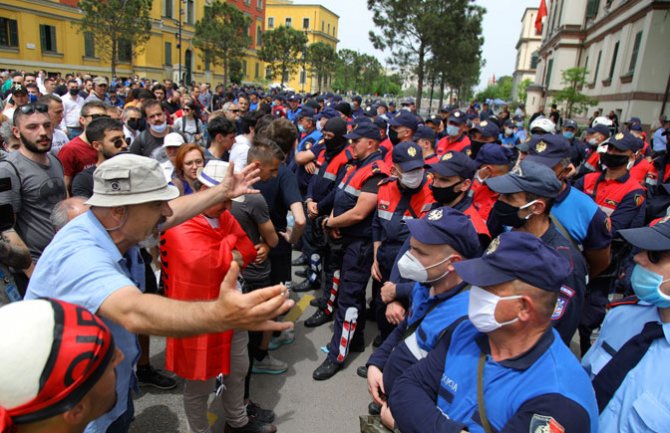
{"x": 319, "y": 24}
{"x": 42, "y": 34}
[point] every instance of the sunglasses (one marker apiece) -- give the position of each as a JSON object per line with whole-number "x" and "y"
{"x": 655, "y": 256}
{"x": 118, "y": 143}
{"x": 32, "y": 108}
{"x": 96, "y": 116}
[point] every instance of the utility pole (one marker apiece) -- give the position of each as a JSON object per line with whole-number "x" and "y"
{"x": 179, "y": 35}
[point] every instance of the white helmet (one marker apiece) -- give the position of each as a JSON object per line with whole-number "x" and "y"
{"x": 602, "y": 120}
{"x": 543, "y": 124}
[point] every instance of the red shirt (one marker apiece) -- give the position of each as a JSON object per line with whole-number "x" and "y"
{"x": 483, "y": 198}
{"x": 76, "y": 156}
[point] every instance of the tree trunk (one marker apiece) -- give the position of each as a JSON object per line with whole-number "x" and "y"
{"x": 420, "y": 73}
{"x": 225, "y": 70}
{"x": 283, "y": 73}
{"x": 432, "y": 90}
{"x": 114, "y": 55}
{"x": 442, "y": 79}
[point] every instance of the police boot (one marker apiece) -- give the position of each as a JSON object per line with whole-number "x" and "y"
{"x": 318, "y": 319}
{"x": 326, "y": 370}
{"x": 303, "y": 286}
{"x": 300, "y": 261}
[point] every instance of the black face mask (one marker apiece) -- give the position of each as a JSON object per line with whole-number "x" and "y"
{"x": 613, "y": 161}
{"x": 445, "y": 194}
{"x": 74, "y": 92}
{"x": 507, "y": 215}
{"x": 393, "y": 136}
{"x": 134, "y": 124}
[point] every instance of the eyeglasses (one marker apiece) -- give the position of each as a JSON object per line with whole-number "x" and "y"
{"x": 119, "y": 142}
{"x": 655, "y": 256}
{"x": 32, "y": 108}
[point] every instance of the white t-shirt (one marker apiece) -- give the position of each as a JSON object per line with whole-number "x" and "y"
{"x": 72, "y": 110}
{"x": 239, "y": 151}
{"x": 58, "y": 141}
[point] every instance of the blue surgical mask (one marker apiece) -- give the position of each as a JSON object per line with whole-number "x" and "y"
{"x": 519, "y": 125}
{"x": 301, "y": 128}
{"x": 32, "y": 98}
{"x": 453, "y": 130}
{"x": 647, "y": 286}
{"x": 569, "y": 135}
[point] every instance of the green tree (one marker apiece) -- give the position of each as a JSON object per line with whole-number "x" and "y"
{"x": 116, "y": 21}
{"x": 523, "y": 90}
{"x": 322, "y": 59}
{"x": 502, "y": 89}
{"x": 222, "y": 35}
{"x": 570, "y": 96}
{"x": 282, "y": 50}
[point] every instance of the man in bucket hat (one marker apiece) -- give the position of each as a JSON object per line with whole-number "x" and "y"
{"x": 94, "y": 262}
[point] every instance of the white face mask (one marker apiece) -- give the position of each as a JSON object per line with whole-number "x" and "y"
{"x": 411, "y": 269}
{"x": 482, "y": 309}
{"x": 412, "y": 179}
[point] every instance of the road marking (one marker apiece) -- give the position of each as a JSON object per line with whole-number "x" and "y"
{"x": 294, "y": 314}
{"x": 212, "y": 417}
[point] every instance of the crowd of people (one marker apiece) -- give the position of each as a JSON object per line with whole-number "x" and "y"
{"x": 519, "y": 265}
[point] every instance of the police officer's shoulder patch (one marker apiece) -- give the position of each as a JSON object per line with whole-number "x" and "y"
{"x": 468, "y": 152}
{"x": 435, "y": 215}
{"x": 545, "y": 424}
{"x": 493, "y": 246}
{"x": 638, "y": 199}
{"x": 608, "y": 224}
{"x": 447, "y": 156}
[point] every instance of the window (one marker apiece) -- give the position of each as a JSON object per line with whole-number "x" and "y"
{"x": 592, "y": 9}
{"x": 259, "y": 4}
{"x": 259, "y": 35}
{"x": 257, "y": 72}
{"x": 89, "y": 45}
{"x": 550, "y": 66}
{"x": 302, "y": 77}
{"x": 534, "y": 58}
{"x": 323, "y": 25}
{"x": 167, "y": 8}
{"x": 328, "y": 28}
{"x": 125, "y": 51}
{"x": 244, "y": 69}
{"x": 271, "y": 22}
{"x": 268, "y": 73}
{"x": 247, "y": 2}
{"x": 190, "y": 11}
{"x": 168, "y": 53}
{"x": 207, "y": 63}
{"x": 613, "y": 63}
{"x": 595, "y": 75}
{"x": 9, "y": 33}
{"x": 334, "y": 32}
{"x": 305, "y": 23}
{"x": 48, "y": 38}
{"x": 636, "y": 49}
{"x": 285, "y": 77}
{"x": 289, "y": 22}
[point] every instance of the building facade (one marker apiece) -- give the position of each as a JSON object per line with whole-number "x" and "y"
{"x": 319, "y": 24}
{"x": 43, "y": 34}
{"x": 624, "y": 46}
{"x": 526, "y": 51}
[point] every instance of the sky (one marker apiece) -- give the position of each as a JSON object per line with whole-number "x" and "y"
{"x": 499, "y": 40}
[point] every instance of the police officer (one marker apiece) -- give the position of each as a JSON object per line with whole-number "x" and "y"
{"x": 294, "y": 104}
{"x": 402, "y": 125}
{"x": 425, "y": 138}
{"x": 507, "y": 137}
{"x": 526, "y": 197}
{"x": 623, "y": 200}
{"x": 574, "y": 213}
{"x": 577, "y": 147}
{"x": 493, "y": 160}
{"x": 519, "y": 132}
{"x": 633, "y": 342}
{"x": 505, "y": 368}
{"x": 439, "y": 296}
{"x": 330, "y": 158}
{"x": 435, "y": 123}
{"x": 595, "y": 137}
{"x": 304, "y": 157}
{"x": 404, "y": 196}
{"x": 486, "y": 131}
{"x": 356, "y": 110}
{"x": 351, "y": 219}
{"x": 456, "y": 139}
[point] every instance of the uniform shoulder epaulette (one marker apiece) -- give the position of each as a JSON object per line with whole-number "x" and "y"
{"x": 628, "y": 300}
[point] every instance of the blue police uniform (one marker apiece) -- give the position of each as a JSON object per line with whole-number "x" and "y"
{"x": 357, "y": 251}
{"x": 640, "y": 403}
{"x": 577, "y": 151}
{"x": 544, "y": 389}
{"x": 312, "y": 141}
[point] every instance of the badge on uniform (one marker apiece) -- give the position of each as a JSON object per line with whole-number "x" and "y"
{"x": 447, "y": 156}
{"x": 559, "y": 310}
{"x": 619, "y": 136}
{"x": 411, "y": 151}
{"x": 493, "y": 246}
{"x": 435, "y": 215}
{"x": 545, "y": 424}
{"x": 638, "y": 199}
{"x": 540, "y": 147}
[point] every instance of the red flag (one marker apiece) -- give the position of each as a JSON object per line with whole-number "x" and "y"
{"x": 540, "y": 15}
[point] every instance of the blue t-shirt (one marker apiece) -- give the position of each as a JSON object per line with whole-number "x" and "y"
{"x": 280, "y": 193}
{"x": 82, "y": 265}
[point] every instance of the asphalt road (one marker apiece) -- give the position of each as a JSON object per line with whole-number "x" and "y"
{"x": 302, "y": 404}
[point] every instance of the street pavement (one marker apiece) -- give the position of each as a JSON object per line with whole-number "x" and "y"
{"x": 302, "y": 404}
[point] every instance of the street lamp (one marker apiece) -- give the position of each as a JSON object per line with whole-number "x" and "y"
{"x": 179, "y": 37}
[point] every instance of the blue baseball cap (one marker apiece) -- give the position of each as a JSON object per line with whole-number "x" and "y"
{"x": 654, "y": 238}
{"x": 454, "y": 164}
{"x": 370, "y": 111}
{"x": 381, "y": 123}
{"x": 569, "y": 123}
{"x": 634, "y": 120}
{"x": 328, "y": 113}
{"x": 357, "y": 98}
{"x": 446, "y": 225}
{"x": 435, "y": 120}
{"x": 487, "y": 129}
{"x": 364, "y": 130}
{"x": 408, "y": 156}
{"x": 495, "y": 154}
{"x": 518, "y": 118}
{"x": 626, "y": 141}
{"x": 516, "y": 256}
{"x": 603, "y": 129}
{"x": 636, "y": 127}
{"x": 548, "y": 149}
{"x": 424, "y": 133}
{"x": 457, "y": 117}
{"x": 361, "y": 119}
{"x": 344, "y": 108}
{"x": 529, "y": 177}
{"x": 404, "y": 118}
{"x": 306, "y": 112}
